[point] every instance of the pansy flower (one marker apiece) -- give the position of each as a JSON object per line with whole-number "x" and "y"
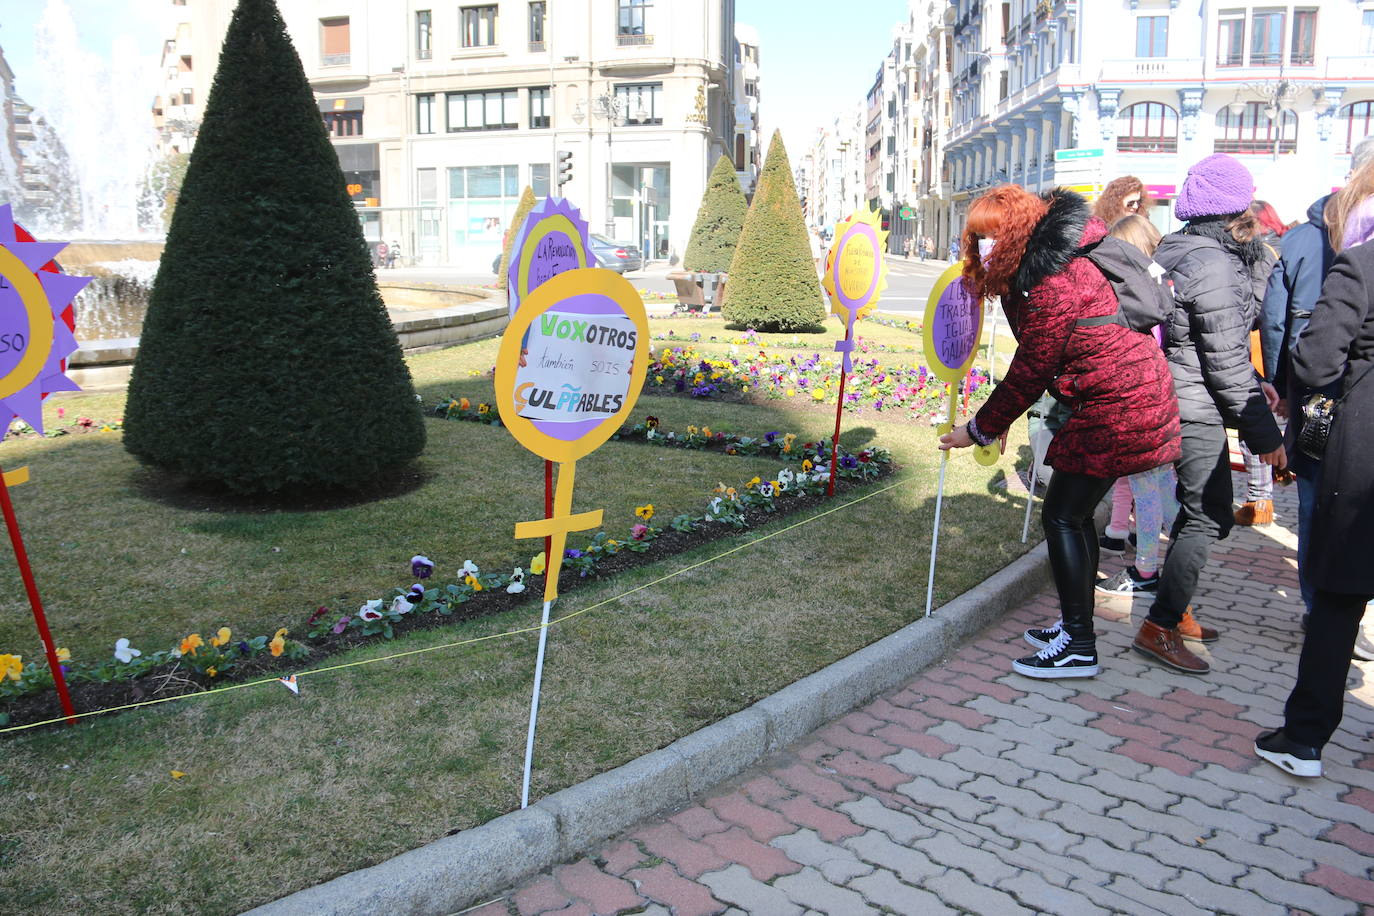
{"x": 766, "y": 489}
{"x": 421, "y": 567}
{"x": 464, "y": 404}
{"x": 222, "y": 637}
{"x": 277, "y": 646}
{"x": 372, "y": 610}
{"x": 416, "y": 593}
{"x": 537, "y": 564}
{"x": 472, "y": 582}
{"x": 64, "y": 654}
{"x": 517, "y": 581}
{"x": 469, "y": 569}
{"x": 320, "y": 612}
{"x": 191, "y": 643}
{"x": 399, "y": 605}
{"x": 124, "y": 652}
{"x": 651, "y": 422}
{"x": 645, "y": 512}
{"x": 340, "y": 625}
{"x": 638, "y": 532}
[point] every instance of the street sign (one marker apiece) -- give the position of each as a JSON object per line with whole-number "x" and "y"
{"x": 906, "y": 213}
{"x": 1066, "y": 155}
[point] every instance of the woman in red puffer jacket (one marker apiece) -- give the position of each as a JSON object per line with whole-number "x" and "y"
{"x": 1026, "y": 249}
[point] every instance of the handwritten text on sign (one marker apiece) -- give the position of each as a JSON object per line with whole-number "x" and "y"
{"x": 956, "y": 325}
{"x": 14, "y": 328}
{"x": 856, "y": 270}
{"x": 554, "y": 254}
{"x": 578, "y": 367}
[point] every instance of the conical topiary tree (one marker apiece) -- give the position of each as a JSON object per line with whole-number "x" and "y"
{"x": 773, "y": 283}
{"x": 522, "y": 210}
{"x": 719, "y": 221}
{"x": 267, "y": 362}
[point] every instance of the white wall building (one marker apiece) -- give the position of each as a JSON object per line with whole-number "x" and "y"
{"x": 747, "y": 150}
{"x": 1152, "y": 86}
{"x": 441, "y": 114}
{"x": 932, "y": 66}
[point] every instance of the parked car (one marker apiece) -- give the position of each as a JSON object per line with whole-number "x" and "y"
{"x": 621, "y": 257}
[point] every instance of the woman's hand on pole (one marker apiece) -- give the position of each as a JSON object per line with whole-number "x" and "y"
{"x": 956, "y": 438}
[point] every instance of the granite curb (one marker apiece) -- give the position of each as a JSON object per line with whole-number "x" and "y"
{"x": 475, "y": 865}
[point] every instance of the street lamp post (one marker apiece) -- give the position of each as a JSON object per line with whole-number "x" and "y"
{"x": 614, "y": 110}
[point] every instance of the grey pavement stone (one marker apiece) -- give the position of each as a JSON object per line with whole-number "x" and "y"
{"x": 1318, "y": 851}
{"x": 809, "y": 887}
{"x": 1188, "y": 787}
{"x": 959, "y": 736}
{"x": 1024, "y": 716}
{"x": 939, "y": 769}
{"x": 1054, "y": 763}
{"x": 1108, "y": 860}
{"x": 955, "y": 887}
{"x": 926, "y": 793}
{"x": 654, "y": 909}
{"x": 1045, "y": 834}
{"x": 1193, "y": 858}
{"x": 882, "y": 888}
{"x": 1004, "y": 769}
{"x": 1229, "y": 820}
{"x": 1075, "y": 820}
{"x": 1057, "y": 711}
{"x": 911, "y": 865}
{"x": 838, "y": 864}
{"x": 1078, "y": 793}
{"x": 1156, "y": 901}
{"x": 946, "y": 849}
{"x": 1270, "y": 792}
{"x": 1222, "y": 897}
{"x": 1296, "y": 894}
{"x": 1026, "y": 801}
{"x": 1078, "y": 740}
{"x": 1043, "y": 738}
{"x": 1156, "y": 821}
{"x": 1332, "y": 810}
{"x": 1035, "y": 892}
{"x": 735, "y": 885}
{"x": 1114, "y": 785}
{"x": 899, "y": 825}
{"x": 1279, "y": 861}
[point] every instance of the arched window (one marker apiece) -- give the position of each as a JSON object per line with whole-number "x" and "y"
{"x": 1254, "y": 131}
{"x": 1147, "y": 127}
{"x": 1359, "y": 123}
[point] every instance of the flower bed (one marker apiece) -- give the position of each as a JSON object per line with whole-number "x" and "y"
{"x": 195, "y": 663}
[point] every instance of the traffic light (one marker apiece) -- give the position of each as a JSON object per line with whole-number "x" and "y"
{"x": 564, "y": 167}
{"x": 886, "y": 219}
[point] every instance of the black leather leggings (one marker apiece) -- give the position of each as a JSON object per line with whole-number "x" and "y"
{"x": 1071, "y": 536}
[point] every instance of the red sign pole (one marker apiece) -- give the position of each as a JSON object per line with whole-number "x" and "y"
{"x": 548, "y": 507}
{"x": 25, "y": 571}
{"x": 839, "y": 408}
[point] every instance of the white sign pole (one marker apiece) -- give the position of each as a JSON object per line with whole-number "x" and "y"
{"x": 1030, "y": 495}
{"x": 534, "y": 705}
{"x": 935, "y": 538}
{"x": 992, "y": 349}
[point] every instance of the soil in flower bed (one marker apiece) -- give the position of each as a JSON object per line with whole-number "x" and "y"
{"x": 172, "y": 681}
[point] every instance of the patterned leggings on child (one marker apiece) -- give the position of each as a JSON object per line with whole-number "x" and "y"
{"x": 1156, "y": 505}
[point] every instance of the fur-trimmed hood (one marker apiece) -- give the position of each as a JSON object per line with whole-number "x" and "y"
{"x": 1056, "y": 238}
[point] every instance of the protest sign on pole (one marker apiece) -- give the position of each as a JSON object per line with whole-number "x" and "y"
{"x": 570, "y": 368}
{"x": 950, "y": 333}
{"x": 553, "y": 239}
{"x": 855, "y": 277}
{"x": 36, "y": 324}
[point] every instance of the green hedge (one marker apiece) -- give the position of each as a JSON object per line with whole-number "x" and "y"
{"x": 719, "y": 222}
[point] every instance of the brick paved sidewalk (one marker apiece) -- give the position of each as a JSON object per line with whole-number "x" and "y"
{"x": 974, "y": 789}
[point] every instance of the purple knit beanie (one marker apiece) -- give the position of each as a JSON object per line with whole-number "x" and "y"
{"x": 1216, "y": 186}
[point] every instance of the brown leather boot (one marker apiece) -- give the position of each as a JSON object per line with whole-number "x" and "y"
{"x": 1189, "y": 628}
{"x": 1256, "y": 512}
{"x": 1166, "y": 646}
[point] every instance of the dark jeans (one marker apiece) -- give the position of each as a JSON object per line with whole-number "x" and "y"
{"x": 1318, "y": 699}
{"x": 1071, "y": 537}
{"x": 1204, "y": 516}
{"x": 1309, "y": 484}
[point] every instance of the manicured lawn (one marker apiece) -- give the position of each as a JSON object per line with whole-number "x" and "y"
{"x": 282, "y": 791}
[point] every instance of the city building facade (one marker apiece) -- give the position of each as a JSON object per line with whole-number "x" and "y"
{"x": 748, "y": 143}
{"x": 442, "y": 113}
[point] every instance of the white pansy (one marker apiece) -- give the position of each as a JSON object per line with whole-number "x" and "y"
{"x": 125, "y": 652}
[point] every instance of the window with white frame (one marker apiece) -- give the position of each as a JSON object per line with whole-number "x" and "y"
{"x": 1253, "y": 130}
{"x": 1231, "y": 38}
{"x": 1268, "y": 36}
{"x": 641, "y": 103}
{"x": 631, "y": 22}
{"x": 479, "y": 26}
{"x": 1147, "y": 127}
{"x": 491, "y": 109}
{"x": 1359, "y": 123}
{"x": 540, "y": 107}
{"x": 424, "y": 113}
{"x": 424, "y": 34}
{"x": 538, "y": 13}
{"x": 334, "y": 42}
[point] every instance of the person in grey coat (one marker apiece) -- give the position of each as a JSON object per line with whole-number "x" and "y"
{"x": 1218, "y": 266}
{"x": 1337, "y": 346}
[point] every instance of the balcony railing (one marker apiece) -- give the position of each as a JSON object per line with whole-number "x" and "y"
{"x": 536, "y": 46}
{"x": 335, "y": 60}
{"x": 630, "y": 41}
{"x": 1135, "y": 69}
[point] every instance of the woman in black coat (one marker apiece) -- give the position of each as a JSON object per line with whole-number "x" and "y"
{"x": 1337, "y": 345}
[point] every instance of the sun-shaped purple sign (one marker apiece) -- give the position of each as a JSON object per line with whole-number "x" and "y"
{"x": 34, "y": 340}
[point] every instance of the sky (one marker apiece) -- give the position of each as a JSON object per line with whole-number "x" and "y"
{"x": 814, "y": 63}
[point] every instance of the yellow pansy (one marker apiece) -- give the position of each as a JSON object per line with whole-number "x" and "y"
{"x": 471, "y": 582}
{"x": 692, "y": 430}
{"x": 706, "y": 431}
{"x": 464, "y": 404}
{"x": 645, "y": 512}
{"x": 64, "y": 654}
{"x": 791, "y": 392}
{"x": 753, "y": 483}
{"x": 11, "y": 666}
{"x": 537, "y": 564}
{"x": 190, "y": 644}
{"x": 806, "y": 464}
{"x": 818, "y": 394}
{"x": 658, "y": 379}
{"x": 277, "y": 645}
{"x": 212, "y": 671}
{"x": 221, "y": 637}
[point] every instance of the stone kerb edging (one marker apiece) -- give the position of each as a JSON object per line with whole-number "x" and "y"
{"x": 473, "y": 866}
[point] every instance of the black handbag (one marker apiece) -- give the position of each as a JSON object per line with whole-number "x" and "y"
{"x": 1317, "y": 416}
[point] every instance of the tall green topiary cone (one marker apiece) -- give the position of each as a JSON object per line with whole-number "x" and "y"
{"x": 719, "y": 221}
{"x": 522, "y": 210}
{"x": 773, "y": 284}
{"x": 267, "y": 361}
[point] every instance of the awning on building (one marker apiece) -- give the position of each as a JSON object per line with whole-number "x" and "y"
{"x": 349, "y": 103}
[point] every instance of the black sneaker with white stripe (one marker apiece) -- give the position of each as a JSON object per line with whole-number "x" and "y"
{"x": 1061, "y": 658}
{"x": 1129, "y": 581}
{"x": 1040, "y": 637}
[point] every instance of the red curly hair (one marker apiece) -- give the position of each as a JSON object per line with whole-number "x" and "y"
{"x": 1109, "y": 206}
{"x": 1007, "y": 213}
